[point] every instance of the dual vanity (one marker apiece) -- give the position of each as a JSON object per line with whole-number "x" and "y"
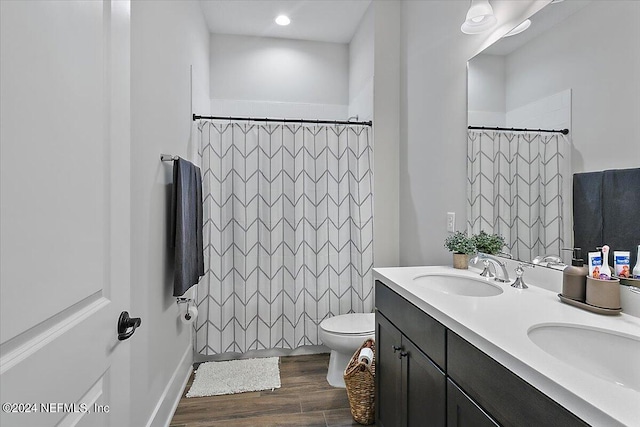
{"x": 457, "y": 349}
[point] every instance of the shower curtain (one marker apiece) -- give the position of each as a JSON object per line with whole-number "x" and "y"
{"x": 288, "y": 230}
{"x": 518, "y": 186}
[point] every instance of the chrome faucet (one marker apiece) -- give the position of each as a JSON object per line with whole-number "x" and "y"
{"x": 501, "y": 274}
{"x": 548, "y": 260}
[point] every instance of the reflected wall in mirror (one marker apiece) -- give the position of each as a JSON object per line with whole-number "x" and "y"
{"x": 576, "y": 67}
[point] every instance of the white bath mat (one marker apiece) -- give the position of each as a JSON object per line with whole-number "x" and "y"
{"x": 236, "y": 376}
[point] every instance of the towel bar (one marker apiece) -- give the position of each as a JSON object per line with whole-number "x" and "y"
{"x": 168, "y": 157}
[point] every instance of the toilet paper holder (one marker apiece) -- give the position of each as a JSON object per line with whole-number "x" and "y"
{"x": 187, "y": 301}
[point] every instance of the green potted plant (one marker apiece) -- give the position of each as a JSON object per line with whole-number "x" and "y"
{"x": 461, "y": 246}
{"x": 488, "y": 243}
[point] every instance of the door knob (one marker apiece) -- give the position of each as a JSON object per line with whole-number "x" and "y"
{"x": 127, "y": 325}
{"x": 396, "y": 348}
{"x": 403, "y": 354}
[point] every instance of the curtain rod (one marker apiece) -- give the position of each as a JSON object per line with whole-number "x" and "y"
{"x": 255, "y": 119}
{"x": 562, "y": 131}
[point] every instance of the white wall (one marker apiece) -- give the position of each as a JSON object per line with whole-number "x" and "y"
{"x": 487, "y": 98}
{"x": 374, "y": 58}
{"x": 433, "y": 109}
{"x": 386, "y": 130}
{"x": 487, "y": 91}
{"x": 167, "y": 37}
{"x": 262, "y": 76}
{"x": 596, "y": 54}
{"x": 549, "y": 112}
{"x": 361, "y": 65}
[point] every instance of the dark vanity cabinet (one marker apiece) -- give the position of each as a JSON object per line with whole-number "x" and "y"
{"x": 462, "y": 411}
{"x": 411, "y": 387}
{"x": 388, "y": 374}
{"x": 426, "y": 375}
{"x": 509, "y": 399}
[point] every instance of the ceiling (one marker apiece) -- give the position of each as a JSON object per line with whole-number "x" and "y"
{"x": 319, "y": 20}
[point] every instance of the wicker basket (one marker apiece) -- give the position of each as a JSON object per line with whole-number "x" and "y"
{"x": 360, "y": 381}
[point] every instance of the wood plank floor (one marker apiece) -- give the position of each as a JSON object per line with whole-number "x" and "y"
{"x": 304, "y": 399}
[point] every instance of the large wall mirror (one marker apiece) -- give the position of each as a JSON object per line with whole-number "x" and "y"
{"x": 577, "y": 66}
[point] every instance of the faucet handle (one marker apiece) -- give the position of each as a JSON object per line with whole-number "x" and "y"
{"x": 519, "y": 282}
{"x": 486, "y": 272}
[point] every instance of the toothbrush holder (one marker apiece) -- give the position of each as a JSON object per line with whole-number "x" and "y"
{"x": 603, "y": 293}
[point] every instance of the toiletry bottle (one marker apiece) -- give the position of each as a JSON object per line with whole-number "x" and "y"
{"x": 636, "y": 269}
{"x": 605, "y": 271}
{"x": 574, "y": 277}
{"x": 621, "y": 264}
{"x": 595, "y": 262}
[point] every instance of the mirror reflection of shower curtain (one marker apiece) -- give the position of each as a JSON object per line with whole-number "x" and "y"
{"x": 288, "y": 233}
{"x": 518, "y": 186}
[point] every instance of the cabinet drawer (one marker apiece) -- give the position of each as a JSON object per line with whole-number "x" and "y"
{"x": 423, "y": 330}
{"x": 509, "y": 399}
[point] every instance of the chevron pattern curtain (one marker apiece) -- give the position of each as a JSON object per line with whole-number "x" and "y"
{"x": 288, "y": 233}
{"x": 518, "y": 187}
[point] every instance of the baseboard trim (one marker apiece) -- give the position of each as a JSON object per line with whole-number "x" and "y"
{"x": 168, "y": 402}
{"x": 271, "y": 352}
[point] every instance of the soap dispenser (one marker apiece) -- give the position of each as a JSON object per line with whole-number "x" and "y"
{"x": 574, "y": 277}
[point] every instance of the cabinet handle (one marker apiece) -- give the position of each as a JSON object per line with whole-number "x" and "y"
{"x": 396, "y": 348}
{"x": 403, "y": 354}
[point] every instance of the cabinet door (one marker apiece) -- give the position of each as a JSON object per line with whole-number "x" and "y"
{"x": 464, "y": 412}
{"x": 388, "y": 373}
{"x": 423, "y": 389}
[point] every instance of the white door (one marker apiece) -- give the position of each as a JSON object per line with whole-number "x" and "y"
{"x": 64, "y": 212}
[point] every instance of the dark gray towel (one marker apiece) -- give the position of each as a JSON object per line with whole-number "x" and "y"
{"x": 621, "y": 209}
{"x": 606, "y": 206}
{"x": 587, "y": 212}
{"x": 186, "y": 226}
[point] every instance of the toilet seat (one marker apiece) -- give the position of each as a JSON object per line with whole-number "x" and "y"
{"x": 350, "y": 324}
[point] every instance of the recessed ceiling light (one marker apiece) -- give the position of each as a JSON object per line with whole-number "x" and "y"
{"x": 520, "y": 28}
{"x": 283, "y": 20}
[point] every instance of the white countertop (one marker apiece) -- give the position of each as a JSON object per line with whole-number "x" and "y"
{"x": 498, "y": 326}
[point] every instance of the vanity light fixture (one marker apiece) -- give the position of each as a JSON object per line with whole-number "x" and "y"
{"x": 520, "y": 28}
{"x": 480, "y": 18}
{"x": 283, "y": 20}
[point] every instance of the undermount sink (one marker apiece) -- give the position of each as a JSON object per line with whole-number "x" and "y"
{"x": 606, "y": 354}
{"x": 458, "y": 285}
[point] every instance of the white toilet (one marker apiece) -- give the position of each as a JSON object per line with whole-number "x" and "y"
{"x": 344, "y": 334}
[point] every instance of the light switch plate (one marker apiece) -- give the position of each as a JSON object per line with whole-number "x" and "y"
{"x": 451, "y": 222}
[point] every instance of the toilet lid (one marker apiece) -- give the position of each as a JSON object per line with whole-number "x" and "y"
{"x": 350, "y": 324}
